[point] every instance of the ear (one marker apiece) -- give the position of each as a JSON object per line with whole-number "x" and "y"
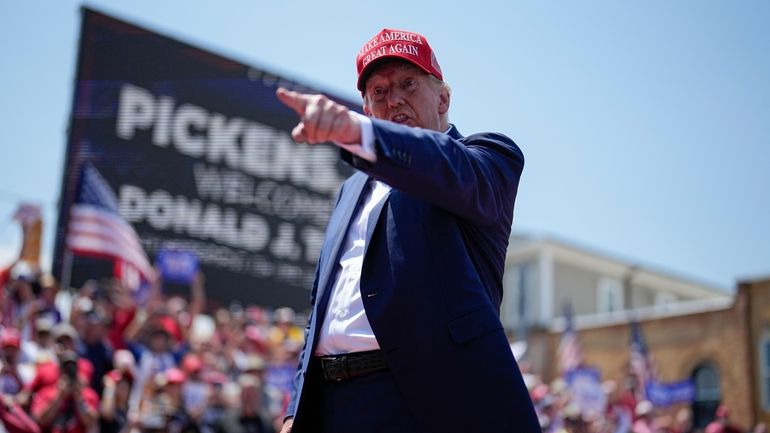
{"x": 444, "y": 99}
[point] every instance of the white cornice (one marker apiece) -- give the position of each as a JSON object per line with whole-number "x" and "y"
{"x": 599, "y": 320}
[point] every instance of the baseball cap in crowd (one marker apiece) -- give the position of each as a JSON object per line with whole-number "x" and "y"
{"x": 573, "y": 413}
{"x": 256, "y": 314}
{"x": 390, "y": 44}
{"x": 191, "y": 363}
{"x": 255, "y": 334}
{"x": 10, "y": 338}
{"x": 64, "y": 329}
{"x": 123, "y": 360}
{"x": 43, "y": 325}
{"x": 83, "y": 367}
{"x": 118, "y": 375}
{"x": 174, "y": 376}
{"x": 283, "y": 315}
{"x": 643, "y": 408}
{"x": 254, "y": 363}
{"x": 23, "y": 271}
{"x": 168, "y": 325}
{"x": 539, "y": 392}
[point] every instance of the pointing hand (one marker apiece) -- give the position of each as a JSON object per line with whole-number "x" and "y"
{"x": 321, "y": 119}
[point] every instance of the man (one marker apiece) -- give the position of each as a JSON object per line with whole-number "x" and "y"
{"x": 95, "y": 347}
{"x": 11, "y": 381}
{"x": 404, "y": 334}
{"x": 69, "y": 405}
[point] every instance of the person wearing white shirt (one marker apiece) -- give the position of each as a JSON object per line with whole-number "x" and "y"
{"x": 405, "y": 334}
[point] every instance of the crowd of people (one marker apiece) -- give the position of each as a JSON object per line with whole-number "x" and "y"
{"x": 100, "y": 363}
{"x": 623, "y": 410}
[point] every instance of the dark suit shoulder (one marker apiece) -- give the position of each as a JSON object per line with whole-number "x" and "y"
{"x": 500, "y": 142}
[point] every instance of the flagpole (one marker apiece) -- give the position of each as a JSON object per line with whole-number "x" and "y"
{"x": 66, "y": 275}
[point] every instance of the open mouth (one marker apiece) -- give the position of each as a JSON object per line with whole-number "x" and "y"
{"x": 400, "y": 118}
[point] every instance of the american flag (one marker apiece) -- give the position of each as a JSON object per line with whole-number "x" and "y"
{"x": 570, "y": 354}
{"x": 97, "y": 229}
{"x": 640, "y": 362}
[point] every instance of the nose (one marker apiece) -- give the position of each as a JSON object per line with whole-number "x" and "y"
{"x": 395, "y": 97}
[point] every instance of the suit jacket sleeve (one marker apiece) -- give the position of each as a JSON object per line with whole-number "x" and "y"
{"x": 475, "y": 177}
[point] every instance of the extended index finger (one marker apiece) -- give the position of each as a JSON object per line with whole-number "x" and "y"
{"x": 294, "y": 100}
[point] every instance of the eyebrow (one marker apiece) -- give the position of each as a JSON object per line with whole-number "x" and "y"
{"x": 413, "y": 74}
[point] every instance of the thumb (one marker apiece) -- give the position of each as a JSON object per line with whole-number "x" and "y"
{"x": 294, "y": 100}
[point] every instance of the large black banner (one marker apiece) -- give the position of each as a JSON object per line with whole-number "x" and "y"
{"x": 197, "y": 149}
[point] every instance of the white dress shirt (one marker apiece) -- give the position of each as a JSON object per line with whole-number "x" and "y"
{"x": 346, "y": 328}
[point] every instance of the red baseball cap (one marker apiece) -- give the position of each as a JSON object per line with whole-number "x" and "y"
{"x": 396, "y": 44}
{"x": 175, "y": 375}
{"x": 10, "y": 338}
{"x": 118, "y": 375}
{"x": 191, "y": 363}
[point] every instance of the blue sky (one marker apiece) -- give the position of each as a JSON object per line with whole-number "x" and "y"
{"x": 646, "y": 125}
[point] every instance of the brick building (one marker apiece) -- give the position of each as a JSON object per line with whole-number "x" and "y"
{"x": 722, "y": 345}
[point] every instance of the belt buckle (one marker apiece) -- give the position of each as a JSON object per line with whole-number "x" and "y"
{"x": 335, "y": 368}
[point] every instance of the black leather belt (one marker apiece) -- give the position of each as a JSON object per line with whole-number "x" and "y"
{"x": 350, "y": 365}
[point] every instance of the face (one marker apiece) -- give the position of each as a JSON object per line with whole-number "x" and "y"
{"x": 174, "y": 390}
{"x": 44, "y": 338}
{"x": 94, "y": 333}
{"x": 122, "y": 390}
{"x": 402, "y": 93}
{"x": 9, "y": 354}
{"x": 159, "y": 342}
{"x": 66, "y": 342}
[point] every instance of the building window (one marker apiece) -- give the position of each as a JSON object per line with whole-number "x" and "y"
{"x": 610, "y": 295}
{"x": 708, "y": 394}
{"x": 518, "y": 305}
{"x": 764, "y": 369}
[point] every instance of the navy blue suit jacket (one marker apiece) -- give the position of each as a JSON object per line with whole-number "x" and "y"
{"x": 432, "y": 273}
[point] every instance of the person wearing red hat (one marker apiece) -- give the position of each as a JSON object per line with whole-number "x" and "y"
{"x": 195, "y": 392}
{"x": 10, "y": 378}
{"x": 161, "y": 407}
{"x": 114, "y": 404}
{"x": 405, "y": 334}
{"x": 68, "y": 405}
{"x": 156, "y": 357}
